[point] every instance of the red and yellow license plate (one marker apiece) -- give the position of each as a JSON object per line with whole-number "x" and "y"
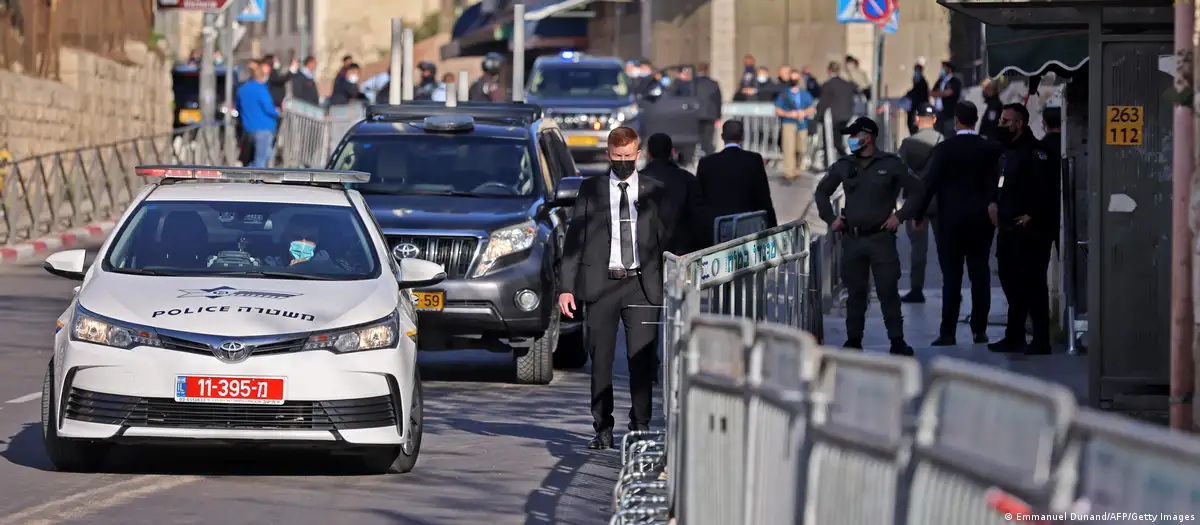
{"x": 430, "y": 301}
{"x": 582, "y": 141}
{"x": 231, "y": 390}
{"x": 189, "y": 116}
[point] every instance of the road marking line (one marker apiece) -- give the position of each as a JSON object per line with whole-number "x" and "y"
{"x": 84, "y": 504}
{"x": 25, "y": 398}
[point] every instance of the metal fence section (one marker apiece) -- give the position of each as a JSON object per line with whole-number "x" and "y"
{"x": 729, "y": 227}
{"x": 308, "y": 133}
{"x": 54, "y": 192}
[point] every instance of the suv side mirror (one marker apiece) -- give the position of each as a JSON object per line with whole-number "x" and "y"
{"x": 67, "y": 264}
{"x": 415, "y": 273}
{"x": 567, "y": 191}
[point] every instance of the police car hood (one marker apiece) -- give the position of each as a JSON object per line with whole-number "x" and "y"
{"x": 557, "y": 106}
{"x": 436, "y": 212}
{"x": 238, "y": 307}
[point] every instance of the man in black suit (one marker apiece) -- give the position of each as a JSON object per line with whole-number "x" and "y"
{"x": 735, "y": 180}
{"x": 962, "y": 174}
{"x": 612, "y": 265}
{"x": 683, "y": 217}
{"x": 838, "y": 97}
{"x": 304, "y": 87}
{"x": 946, "y": 93}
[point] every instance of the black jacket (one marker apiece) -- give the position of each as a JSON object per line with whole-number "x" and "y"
{"x": 344, "y": 92}
{"x": 277, "y": 85}
{"x": 961, "y": 175}
{"x": 837, "y": 97}
{"x": 949, "y": 101}
{"x": 919, "y": 94}
{"x": 587, "y": 246}
{"x": 734, "y": 181}
{"x": 990, "y": 120}
{"x": 683, "y": 214}
{"x": 305, "y": 89}
{"x": 1026, "y": 170}
{"x": 709, "y": 93}
{"x": 872, "y": 185}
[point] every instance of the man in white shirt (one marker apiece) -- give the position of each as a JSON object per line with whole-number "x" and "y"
{"x": 612, "y": 271}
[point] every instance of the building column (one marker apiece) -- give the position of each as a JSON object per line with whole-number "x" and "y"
{"x": 723, "y": 62}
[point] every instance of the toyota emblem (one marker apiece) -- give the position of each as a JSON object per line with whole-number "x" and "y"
{"x": 406, "y": 250}
{"x": 232, "y": 351}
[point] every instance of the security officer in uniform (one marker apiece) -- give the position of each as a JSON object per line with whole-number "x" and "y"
{"x": 428, "y": 82}
{"x": 916, "y": 151}
{"x": 872, "y": 181}
{"x": 1022, "y": 209}
{"x": 487, "y": 88}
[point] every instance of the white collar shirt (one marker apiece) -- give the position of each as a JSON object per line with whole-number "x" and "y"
{"x": 732, "y": 145}
{"x": 614, "y": 214}
{"x": 966, "y": 132}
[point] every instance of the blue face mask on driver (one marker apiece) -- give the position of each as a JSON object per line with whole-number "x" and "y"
{"x": 302, "y": 250}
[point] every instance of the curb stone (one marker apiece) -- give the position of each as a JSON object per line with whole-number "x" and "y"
{"x": 38, "y": 248}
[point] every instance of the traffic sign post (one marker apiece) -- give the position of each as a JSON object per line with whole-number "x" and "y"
{"x": 878, "y": 11}
{"x": 255, "y": 11}
{"x": 851, "y": 12}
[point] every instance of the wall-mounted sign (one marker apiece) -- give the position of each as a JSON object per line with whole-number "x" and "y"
{"x": 1124, "y": 125}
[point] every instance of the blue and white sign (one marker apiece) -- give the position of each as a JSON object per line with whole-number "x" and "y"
{"x": 851, "y": 12}
{"x": 255, "y": 11}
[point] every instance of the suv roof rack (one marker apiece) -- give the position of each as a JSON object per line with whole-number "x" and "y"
{"x": 480, "y": 111}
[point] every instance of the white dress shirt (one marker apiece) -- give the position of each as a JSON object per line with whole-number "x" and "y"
{"x": 731, "y": 145}
{"x": 614, "y": 215}
{"x": 966, "y": 132}
{"x": 941, "y": 87}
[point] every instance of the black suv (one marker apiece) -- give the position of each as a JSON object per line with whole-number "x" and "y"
{"x": 484, "y": 189}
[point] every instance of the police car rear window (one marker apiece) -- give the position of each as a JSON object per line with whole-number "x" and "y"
{"x": 452, "y": 164}
{"x": 579, "y": 82}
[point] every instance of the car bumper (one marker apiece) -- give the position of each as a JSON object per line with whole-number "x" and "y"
{"x": 486, "y": 306}
{"x": 129, "y": 395}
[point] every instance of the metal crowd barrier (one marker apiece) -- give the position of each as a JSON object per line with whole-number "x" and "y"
{"x": 55, "y": 192}
{"x": 308, "y": 133}
{"x": 763, "y": 133}
{"x": 729, "y": 227}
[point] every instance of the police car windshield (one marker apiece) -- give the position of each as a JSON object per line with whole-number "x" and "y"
{"x": 257, "y": 240}
{"x": 441, "y": 164}
{"x": 575, "y": 81}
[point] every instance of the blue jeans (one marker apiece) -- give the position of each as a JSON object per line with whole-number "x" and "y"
{"x": 264, "y": 148}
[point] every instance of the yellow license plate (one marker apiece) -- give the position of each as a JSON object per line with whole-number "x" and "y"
{"x": 189, "y": 116}
{"x": 430, "y": 301}
{"x": 582, "y": 141}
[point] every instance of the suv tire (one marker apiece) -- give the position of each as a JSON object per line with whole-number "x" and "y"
{"x": 535, "y": 363}
{"x": 571, "y": 353}
{"x": 66, "y": 455}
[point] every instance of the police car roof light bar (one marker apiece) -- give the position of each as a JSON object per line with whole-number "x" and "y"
{"x": 238, "y": 174}
{"x": 449, "y": 123}
{"x": 421, "y": 109}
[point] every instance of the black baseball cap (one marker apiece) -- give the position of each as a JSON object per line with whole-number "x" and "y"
{"x": 860, "y": 125}
{"x": 925, "y": 109}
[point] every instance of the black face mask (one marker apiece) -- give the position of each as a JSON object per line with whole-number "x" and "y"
{"x": 623, "y": 168}
{"x": 793, "y": 83}
{"x": 1005, "y": 135}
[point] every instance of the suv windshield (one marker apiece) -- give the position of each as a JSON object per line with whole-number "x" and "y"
{"x": 244, "y": 239}
{"x": 573, "y": 81}
{"x": 466, "y": 165}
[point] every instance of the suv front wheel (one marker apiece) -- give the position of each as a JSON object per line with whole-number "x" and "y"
{"x": 535, "y": 363}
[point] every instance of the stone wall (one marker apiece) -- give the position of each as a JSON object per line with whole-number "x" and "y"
{"x": 96, "y": 101}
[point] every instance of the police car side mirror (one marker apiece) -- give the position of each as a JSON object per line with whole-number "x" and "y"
{"x": 416, "y": 273}
{"x": 67, "y": 264}
{"x": 567, "y": 191}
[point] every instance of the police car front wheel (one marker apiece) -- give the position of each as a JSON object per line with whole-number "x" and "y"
{"x": 66, "y": 455}
{"x": 402, "y": 459}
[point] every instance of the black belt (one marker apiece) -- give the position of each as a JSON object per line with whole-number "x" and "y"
{"x": 622, "y": 273}
{"x": 862, "y": 232}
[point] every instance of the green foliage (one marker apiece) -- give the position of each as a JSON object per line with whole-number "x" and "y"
{"x": 430, "y": 26}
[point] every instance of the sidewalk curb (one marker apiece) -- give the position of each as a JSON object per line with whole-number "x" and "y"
{"x": 35, "y": 249}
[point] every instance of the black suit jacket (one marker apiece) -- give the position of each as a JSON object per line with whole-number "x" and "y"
{"x": 589, "y": 234}
{"x": 734, "y": 181}
{"x": 962, "y": 174}
{"x": 683, "y": 209}
{"x": 305, "y": 89}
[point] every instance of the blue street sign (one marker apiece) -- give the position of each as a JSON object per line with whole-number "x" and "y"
{"x": 256, "y": 11}
{"x": 851, "y": 12}
{"x": 875, "y": 9}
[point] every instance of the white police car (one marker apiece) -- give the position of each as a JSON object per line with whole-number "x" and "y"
{"x": 258, "y": 307}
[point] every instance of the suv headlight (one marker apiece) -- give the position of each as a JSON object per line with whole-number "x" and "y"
{"x": 625, "y": 114}
{"x": 506, "y": 241}
{"x": 370, "y": 336}
{"x": 91, "y": 328}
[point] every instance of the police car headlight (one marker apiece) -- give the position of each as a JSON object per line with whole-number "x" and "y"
{"x": 625, "y": 114}
{"x": 371, "y": 336}
{"x": 506, "y": 241}
{"x": 91, "y": 328}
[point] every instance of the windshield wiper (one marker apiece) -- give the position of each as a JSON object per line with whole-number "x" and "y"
{"x": 276, "y": 275}
{"x": 145, "y": 271}
{"x": 446, "y": 193}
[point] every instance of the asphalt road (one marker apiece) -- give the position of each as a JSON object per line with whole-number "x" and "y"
{"x": 493, "y": 452}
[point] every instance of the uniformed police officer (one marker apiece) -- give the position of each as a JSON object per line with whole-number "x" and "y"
{"x": 872, "y": 181}
{"x": 916, "y": 151}
{"x": 1022, "y": 210}
{"x": 488, "y": 88}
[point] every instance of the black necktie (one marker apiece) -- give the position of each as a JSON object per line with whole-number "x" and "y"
{"x": 626, "y": 227}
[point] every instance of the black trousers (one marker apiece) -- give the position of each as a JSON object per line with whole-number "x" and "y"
{"x": 962, "y": 243}
{"x": 708, "y": 137}
{"x": 1024, "y": 256}
{"x": 626, "y": 302}
{"x": 863, "y": 255}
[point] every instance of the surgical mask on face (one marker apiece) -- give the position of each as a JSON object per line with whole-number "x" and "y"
{"x": 762, "y": 79}
{"x": 623, "y": 169}
{"x": 917, "y": 76}
{"x": 855, "y": 144}
{"x": 666, "y": 81}
{"x": 302, "y": 250}
{"x": 352, "y": 78}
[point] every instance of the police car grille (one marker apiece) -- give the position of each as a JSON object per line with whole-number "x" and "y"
{"x": 455, "y": 253}
{"x": 129, "y": 411}
{"x": 195, "y": 347}
{"x": 581, "y": 121}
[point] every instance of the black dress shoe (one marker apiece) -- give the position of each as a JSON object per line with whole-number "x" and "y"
{"x": 981, "y": 337}
{"x": 855, "y": 344}
{"x": 1007, "y": 346}
{"x": 899, "y": 347}
{"x": 913, "y": 297}
{"x": 603, "y": 440}
{"x": 944, "y": 340}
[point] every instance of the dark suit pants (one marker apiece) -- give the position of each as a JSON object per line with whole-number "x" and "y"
{"x": 625, "y": 302}
{"x": 919, "y": 240}
{"x": 863, "y": 255}
{"x": 1024, "y": 256}
{"x": 961, "y": 243}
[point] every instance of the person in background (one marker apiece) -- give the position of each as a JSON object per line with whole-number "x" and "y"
{"x": 345, "y": 88}
{"x": 915, "y": 151}
{"x": 1052, "y": 143}
{"x": 277, "y": 80}
{"x": 708, "y": 91}
{"x": 218, "y": 58}
{"x": 260, "y": 119}
{"x": 688, "y": 220}
{"x": 794, "y": 108}
{"x": 194, "y": 58}
{"x": 838, "y": 97}
{"x": 734, "y": 180}
{"x": 946, "y": 92}
{"x": 304, "y": 85}
{"x": 439, "y": 93}
{"x": 766, "y": 88}
{"x": 346, "y": 62}
{"x": 427, "y": 81}
{"x": 810, "y": 82}
{"x": 376, "y": 87}
{"x": 992, "y": 108}
{"x": 487, "y": 87}
{"x": 858, "y": 77}
{"x": 784, "y": 75}
{"x": 252, "y": 67}
{"x": 918, "y": 97}
{"x": 749, "y": 83}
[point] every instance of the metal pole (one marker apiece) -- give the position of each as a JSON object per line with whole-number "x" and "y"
{"x": 397, "y": 66}
{"x": 407, "y": 68}
{"x": 302, "y": 25}
{"x": 647, "y": 22}
{"x": 873, "y": 105}
{"x": 1183, "y": 369}
{"x": 518, "y": 70}
{"x": 208, "y": 80}
{"x": 464, "y": 87}
{"x": 227, "y": 50}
